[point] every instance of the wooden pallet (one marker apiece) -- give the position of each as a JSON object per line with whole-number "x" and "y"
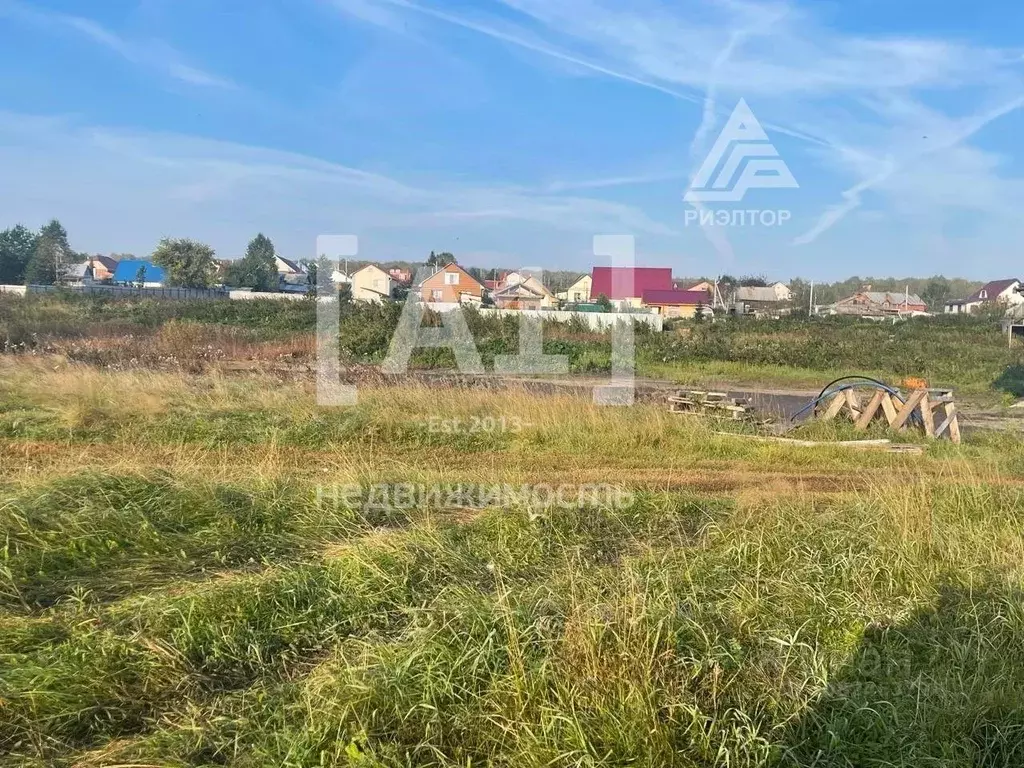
{"x": 922, "y": 403}
{"x": 697, "y": 402}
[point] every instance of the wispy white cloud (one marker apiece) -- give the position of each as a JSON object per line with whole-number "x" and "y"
{"x": 151, "y": 54}
{"x": 943, "y": 137}
{"x": 223, "y": 191}
{"x": 499, "y": 31}
{"x": 608, "y": 182}
{"x": 857, "y": 96}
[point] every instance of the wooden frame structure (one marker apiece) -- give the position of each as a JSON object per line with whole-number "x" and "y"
{"x": 919, "y": 407}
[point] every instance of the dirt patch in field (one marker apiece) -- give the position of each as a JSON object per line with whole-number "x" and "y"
{"x": 25, "y": 461}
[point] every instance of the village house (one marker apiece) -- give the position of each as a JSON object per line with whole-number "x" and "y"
{"x": 371, "y": 283}
{"x": 758, "y": 300}
{"x": 402, "y": 276}
{"x": 703, "y": 286}
{"x": 578, "y": 292}
{"x": 626, "y": 286}
{"x": 95, "y": 269}
{"x": 288, "y": 271}
{"x": 103, "y": 268}
{"x": 1005, "y": 292}
{"x": 869, "y": 303}
{"x": 518, "y": 296}
{"x": 451, "y": 284}
{"x": 782, "y": 292}
{"x": 532, "y": 284}
{"x": 677, "y": 303}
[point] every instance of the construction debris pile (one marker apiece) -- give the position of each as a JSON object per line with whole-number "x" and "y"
{"x": 863, "y": 400}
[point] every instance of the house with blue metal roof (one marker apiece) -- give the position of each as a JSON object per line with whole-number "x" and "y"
{"x": 127, "y": 273}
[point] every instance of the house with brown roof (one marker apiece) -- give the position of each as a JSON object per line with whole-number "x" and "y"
{"x": 880, "y": 304}
{"x": 1005, "y": 292}
{"x": 103, "y": 267}
{"x": 451, "y": 284}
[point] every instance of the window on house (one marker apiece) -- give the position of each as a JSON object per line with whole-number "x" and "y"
{"x": 451, "y": 278}
{"x": 577, "y": 296}
{"x": 437, "y": 294}
{"x": 983, "y": 295}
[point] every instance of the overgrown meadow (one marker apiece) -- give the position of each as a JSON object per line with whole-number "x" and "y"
{"x": 201, "y": 567}
{"x": 968, "y": 354}
{"x": 183, "y": 584}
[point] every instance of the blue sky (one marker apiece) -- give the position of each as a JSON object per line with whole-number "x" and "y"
{"x": 512, "y": 131}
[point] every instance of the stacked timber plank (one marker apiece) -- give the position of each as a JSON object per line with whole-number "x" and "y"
{"x": 690, "y": 401}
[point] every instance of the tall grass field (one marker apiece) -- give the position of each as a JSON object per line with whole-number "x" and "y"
{"x": 209, "y": 570}
{"x": 969, "y": 354}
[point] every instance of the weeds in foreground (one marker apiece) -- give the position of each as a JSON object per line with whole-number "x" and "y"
{"x": 154, "y": 614}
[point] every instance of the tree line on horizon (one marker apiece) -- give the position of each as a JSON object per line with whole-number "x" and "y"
{"x": 43, "y": 257}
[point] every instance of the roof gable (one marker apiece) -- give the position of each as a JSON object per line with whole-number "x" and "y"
{"x": 289, "y": 264}
{"x": 990, "y": 291}
{"x": 518, "y": 291}
{"x": 372, "y": 267}
{"x": 451, "y": 268}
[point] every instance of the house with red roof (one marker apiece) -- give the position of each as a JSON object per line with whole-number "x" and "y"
{"x": 1005, "y": 292}
{"x": 627, "y": 285}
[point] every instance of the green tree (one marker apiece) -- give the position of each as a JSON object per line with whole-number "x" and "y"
{"x": 140, "y": 277}
{"x": 604, "y": 303}
{"x": 258, "y": 268}
{"x": 439, "y": 260}
{"x": 51, "y": 256}
{"x": 753, "y": 281}
{"x": 312, "y": 271}
{"x": 936, "y": 292}
{"x": 189, "y": 263}
{"x": 16, "y": 247}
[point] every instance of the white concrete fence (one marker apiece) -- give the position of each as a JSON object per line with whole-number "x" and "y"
{"x": 597, "y": 321}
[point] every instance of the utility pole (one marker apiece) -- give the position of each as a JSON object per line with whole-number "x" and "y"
{"x": 717, "y": 302}
{"x": 810, "y": 305}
